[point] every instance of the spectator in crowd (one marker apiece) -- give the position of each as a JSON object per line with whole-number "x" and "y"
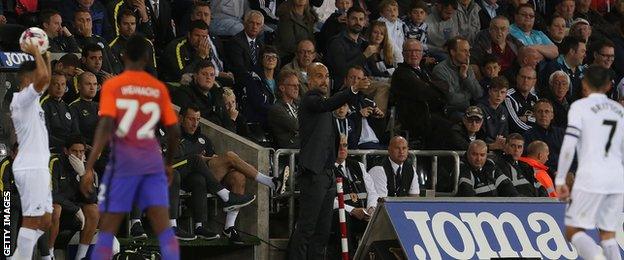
{"x": 360, "y": 200}
{"x": 199, "y": 11}
{"x": 617, "y": 11}
{"x": 345, "y": 124}
{"x": 382, "y": 63}
{"x": 269, "y": 9}
{"x": 544, "y": 131}
{"x": 618, "y": 40}
{"x": 228, "y": 168}
{"x": 496, "y": 118}
{"x": 296, "y": 23}
{"x": 519, "y": 172}
{"x": 559, "y": 83}
{"x": 442, "y": 27}
{"x": 520, "y": 101}
{"x": 489, "y": 10}
{"x": 141, "y": 12}
{"x": 160, "y": 16}
{"x": 127, "y": 27}
{"x": 565, "y": 9}
{"x": 317, "y": 156}
{"x": 583, "y": 10}
{"x": 368, "y": 124}
{"x": 479, "y": 176}
{"x": 396, "y": 177}
{"x": 522, "y": 29}
{"x": 603, "y": 54}
{"x": 513, "y": 5}
{"x": 336, "y": 23}
{"x": 490, "y": 68}
{"x": 66, "y": 169}
{"x": 306, "y": 54}
{"x": 571, "y": 62}
{"x": 261, "y": 89}
{"x": 345, "y": 49}
{"x": 468, "y": 130}
{"x": 537, "y": 155}
{"x": 527, "y": 57}
{"x": 394, "y": 27}
{"x": 202, "y": 91}
{"x": 59, "y": 121}
{"x": 557, "y": 30}
{"x": 60, "y": 39}
{"x": 93, "y": 61}
{"x": 415, "y": 25}
{"x": 229, "y": 116}
{"x": 420, "y": 98}
{"x": 227, "y": 17}
{"x": 282, "y": 116}
{"x": 581, "y": 29}
{"x": 84, "y": 110}
{"x": 498, "y": 42}
{"x": 468, "y": 19}
{"x": 243, "y": 52}
{"x": 97, "y": 12}
{"x": 183, "y": 54}
{"x": 84, "y": 35}
{"x": 463, "y": 85}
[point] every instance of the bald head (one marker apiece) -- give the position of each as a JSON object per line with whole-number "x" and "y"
{"x": 87, "y": 85}
{"x": 398, "y": 150}
{"x": 539, "y": 151}
{"x": 528, "y": 56}
{"x": 318, "y": 77}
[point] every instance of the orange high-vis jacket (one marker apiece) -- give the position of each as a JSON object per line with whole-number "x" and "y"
{"x": 541, "y": 175}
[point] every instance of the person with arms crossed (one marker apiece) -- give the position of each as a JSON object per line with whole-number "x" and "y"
{"x": 131, "y": 105}
{"x": 596, "y": 131}
{"x": 30, "y": 168}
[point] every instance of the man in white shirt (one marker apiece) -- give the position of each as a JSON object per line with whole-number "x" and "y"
{"x": 596, "y": 131}
{"x": 30, "y": 167}
{"x": 395, "y": 178}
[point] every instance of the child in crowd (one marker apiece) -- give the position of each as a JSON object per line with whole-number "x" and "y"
{"x": 489, "y": 69}
{"x": 390, "y": 16}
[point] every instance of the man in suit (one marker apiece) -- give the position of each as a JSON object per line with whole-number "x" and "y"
{"x": 317, "y": 156}
{"x": 420, "y": 99}
{"x": 243, "y": 53}
{"x": 282, "y": 115}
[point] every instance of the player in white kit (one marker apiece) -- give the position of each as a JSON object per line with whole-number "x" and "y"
{"x": 596, "y": 131}
{"x": 30, "y": 167}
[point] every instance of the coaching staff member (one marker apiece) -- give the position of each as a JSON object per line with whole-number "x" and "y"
{"x": 319, "y": 143}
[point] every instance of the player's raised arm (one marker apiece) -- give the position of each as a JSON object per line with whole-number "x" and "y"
{"x": 42, "y": 73}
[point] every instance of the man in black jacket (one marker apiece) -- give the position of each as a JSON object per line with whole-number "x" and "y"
{"x": 182, "y": 54}
{"x": 480, "y": 177}
{"x": 282, "y": 116}
{"x": 58, "y": 117}
{"x": 61, "y": 40}
{"x": 202, "y": 92}
{"x": 318, "y": 154}
{"x": 243, "y": 51}
{"x": 520, "y": 173}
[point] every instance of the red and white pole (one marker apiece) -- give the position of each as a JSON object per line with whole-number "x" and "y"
{"x": 342, "y": 219}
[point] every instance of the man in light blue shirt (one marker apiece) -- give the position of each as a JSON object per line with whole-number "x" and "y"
{"x": 522, "y": 30}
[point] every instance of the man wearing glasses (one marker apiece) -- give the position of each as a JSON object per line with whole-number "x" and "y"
{"x": 523, "y": 30}
{"x": 571, "y": 62}
{"x": 468, "y": 130}
{"x": 520, "y": 101}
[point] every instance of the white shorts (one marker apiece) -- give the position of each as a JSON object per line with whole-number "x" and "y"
{"x": 589, "y": 210}
{"x": 35, "y": 189}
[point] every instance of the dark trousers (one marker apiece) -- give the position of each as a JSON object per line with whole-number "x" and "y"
{"x": 196, "y": 178}
{"x": 355, "y": 230}
{"x": 316, "y": 203}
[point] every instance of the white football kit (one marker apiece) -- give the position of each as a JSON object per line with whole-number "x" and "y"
{"x": 596, "y": 131}
{"x": 30, "y": 167}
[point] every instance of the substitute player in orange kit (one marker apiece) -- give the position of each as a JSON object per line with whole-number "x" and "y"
{"x": 131, "y": 105}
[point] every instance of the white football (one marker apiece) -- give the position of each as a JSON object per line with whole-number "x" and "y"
{"x": 37, "y": 36}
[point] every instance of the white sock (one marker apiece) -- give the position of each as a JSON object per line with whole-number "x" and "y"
{"x": 230, "y": 218}
{"x": 198, "y": 224}
{"x": 136, "y": 220}
{"x": 224, "y": 194}
{"x": 173, "y": 222}
{"x": 47, "y": 257}
{"x": 26, "y": 240}
{"x": 586, "y": 246}
{"x": 82, "y": 251}
{"x": 52, "y": 251}
{"x": 266, "y": 180}
{"x": 611, "y": 249}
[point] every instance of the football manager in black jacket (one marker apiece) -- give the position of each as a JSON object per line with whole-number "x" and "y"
{"x": 319, "y": 143}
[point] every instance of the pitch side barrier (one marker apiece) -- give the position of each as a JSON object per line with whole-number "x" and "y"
{"x": 364, "y": 155}
{"x": 470, "y": 228}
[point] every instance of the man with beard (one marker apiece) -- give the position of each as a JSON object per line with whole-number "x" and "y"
{"x": 345, "y": 49}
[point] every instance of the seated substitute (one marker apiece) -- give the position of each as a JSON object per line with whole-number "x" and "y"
{"x": 520, "y": 173}
{"x": 479, "y": 177}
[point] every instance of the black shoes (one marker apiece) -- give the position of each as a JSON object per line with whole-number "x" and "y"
{"x": 204, "y": 233}
{"x": 183, "y": 235}
{"x": 238, "y": 201}
{"x": 232, "y": 234}
{"x": 137, "y": 231}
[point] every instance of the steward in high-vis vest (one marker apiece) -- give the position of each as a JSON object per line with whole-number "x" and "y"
{"x": 537, "y": 155}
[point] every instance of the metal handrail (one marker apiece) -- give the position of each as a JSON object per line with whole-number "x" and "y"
{"x": 364, "y": 154}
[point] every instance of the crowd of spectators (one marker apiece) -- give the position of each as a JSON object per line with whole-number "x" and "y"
{"x": 474, "y": 75}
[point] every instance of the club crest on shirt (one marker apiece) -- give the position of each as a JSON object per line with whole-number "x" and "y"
{"x": 201, "y": 140}
{"x": 68, "y": 115}
{"x": 84, "y": 112}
